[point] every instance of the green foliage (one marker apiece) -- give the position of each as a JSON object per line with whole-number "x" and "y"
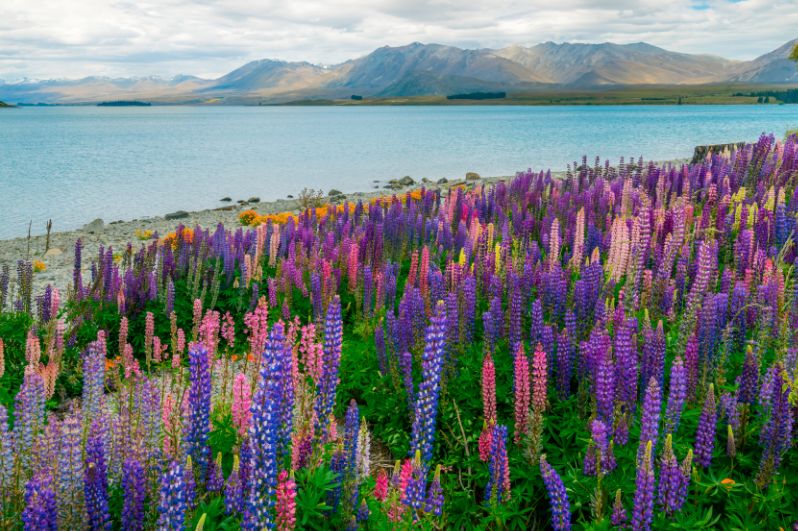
{"x": 14, "y": 331}
{"x": 314, "y": 486}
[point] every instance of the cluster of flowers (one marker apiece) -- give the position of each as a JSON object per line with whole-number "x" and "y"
{"x": 637, "y": 288}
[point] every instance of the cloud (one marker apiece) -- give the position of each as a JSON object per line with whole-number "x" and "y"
{"x": 57, "y": 39}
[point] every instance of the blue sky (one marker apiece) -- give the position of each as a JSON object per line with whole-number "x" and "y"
{"x": 76, "y": 38}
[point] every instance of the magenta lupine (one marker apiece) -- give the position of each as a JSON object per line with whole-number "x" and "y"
{"x": 643, "y": 511}
{"x": 489, "y": 390}
{"x": 426, "y": 407}
{"x": 539, "y": 379}
{"x": 558, "y": 497}
{"x": 521, "y": 393}
{"x": 705, "y": 434}
{"x": 286, "y": 501}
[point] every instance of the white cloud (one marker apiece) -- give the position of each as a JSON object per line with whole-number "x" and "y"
{"x": 54, "y": 38}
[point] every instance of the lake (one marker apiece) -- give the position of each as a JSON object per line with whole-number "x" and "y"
{"x": 74, "y": 164}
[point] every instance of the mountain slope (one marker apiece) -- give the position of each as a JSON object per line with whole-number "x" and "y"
{"x": 773, "y": 67}
{"x": 425, "y": 69}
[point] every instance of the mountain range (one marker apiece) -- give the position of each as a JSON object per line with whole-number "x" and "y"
{"x": 425, "y": 70}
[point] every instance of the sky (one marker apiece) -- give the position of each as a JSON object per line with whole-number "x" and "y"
{"x": 43, "y": 39}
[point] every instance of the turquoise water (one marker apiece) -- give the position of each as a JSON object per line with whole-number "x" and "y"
{"x": 74, "y": 164}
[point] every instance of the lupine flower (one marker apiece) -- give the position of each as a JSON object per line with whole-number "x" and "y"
{"x": 215, "y": 481}
{"x": 649, "y": 419}
{"x": 644, "y": 490}
{"x": 489, "y": 390}
{"x": 234, "y": 490}
{"x": 705, "y": 434}
{"x": 381, "y": 486}
{"x": 199, "y": 402}
{"x": 775, "y": 437}
{"x": 333, "y": 335}
{"x": 96, "y": 481}
{"x": 676, "y": 396}
{"x": 600, "y": 446}
{"x": 521, "y": 392}
{"x": 242, "y": 402}
{"x": 426, "y": 410}
{"x": 173, "y": 504}
{"x": 434, "y": 502}
{"x": 539, "y": 377}
{"x": 498, "y": 488}
{"x": 619, "y": 517}
{"x": 286, "y": 503}
{"x": 134, "y": 487}
{"x": 673, "y": 480}
{"x": 263, "y": 434}
{"x": 558, "y": 497}
{"x": 41, "y": 512}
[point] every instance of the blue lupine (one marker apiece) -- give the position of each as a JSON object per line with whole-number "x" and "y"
{"x": 41, "y": 512}
{"x": 173, "y": 504}
{"x": 134, "y": 487}
{"x": 558, "y": 497}
{"x": 426, "y": 406}
{"x": 96, "y": 481}
{"x": 325, "y": 398}
{"x": 199, "y": 403}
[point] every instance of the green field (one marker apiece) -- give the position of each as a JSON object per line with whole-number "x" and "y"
{"x": 628, "y": 95}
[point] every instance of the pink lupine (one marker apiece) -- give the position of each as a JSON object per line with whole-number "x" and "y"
{"x": 123, "y": 326}
{"x": 55, "y": 302}
{"x": 181, "y": 346}
{"x": 484, "y": 443}
{"x": 257, "y": 327}
{"x": 2, "y": 358}
{"x": 352, "y": 267}
{"x": 522, "y": 396}
{"x": 381, "y": 486}
{"x": 149, "y": 331}
{"x": 285, "y": 508}
{"x": 539, "y": 375}
{"x": 311, "y": 352}
{"x": 489, "y": 390}
{"x": 229, "y": 330}
{"x": 242, "y": 401}
{"x": 423, "y": 272}
{"x": 33, "y": 349}
{"x": 157, "y": 349}
{"x": 197, "y": 319}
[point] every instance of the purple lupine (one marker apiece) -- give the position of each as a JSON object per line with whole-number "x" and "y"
{"x": 626, "y": 366}
{"x": 605, "y": 388}
{"x": 69, "y": 470}
{"x": 434, "y": 502}
{"x": 173, "y": 504}
{"x": 649, "y": 418}
{"x": 619, "y": 518}
{"x": 134, "y": 487}
{"x": 41, "y": 511}
{"x": 674, "y": 479}
{"x": 563, "y": 364}
{"x": 6, "y": 452}
{"x": 643, "y": 511}
{"x": 351, "y": 431}
{"x": 263, "y": 435}
{"x": 77, "y": 274}
{"x": 705, "y": 434}
{"x": 199, "y": 403}
{"x": 600, "y": 446}
{"x": 333, "y": 336}
{"x": 558, "y": 497}
{"x": 676, "y": 396}
{"x": 95, "y": 483}
{"x": 776, "y": 435}
{"x": 406, "y": 366}
{"x": 215, "y": 481}
{"x": 93, "y": 381}
{"x": 379, "y": 348}
{"x": 497, "y": 489}
{"x": 234, "y": 490}
{"x": 426, "y": 406}
{"x": 29, "y": 416}
{"x": 287, "y": 401}
{"x": 749, "y": 379}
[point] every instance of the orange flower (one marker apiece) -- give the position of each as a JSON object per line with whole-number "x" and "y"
{"x": 39, "y": 266}
{"x": 248, "y": 217}
{"x": 728, "y": 483}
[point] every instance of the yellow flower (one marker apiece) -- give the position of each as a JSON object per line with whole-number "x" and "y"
{"x": 39, "y": 266}
{"x": 143, "y": 234}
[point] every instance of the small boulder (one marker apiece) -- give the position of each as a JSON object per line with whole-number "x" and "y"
{"x": 225, "y": 200}
{"x": 289, "y": 196}
{"x": 179, "y": 214}
{"x": 95, "y": 227}
{"x": 443, "y": 180}
{"x": 472, "y": 176}
{"x": 253, "y": 199}
{"x": 334, "y": 192}
{"x": 53, "y": 251}
{"x": 407, "y": 181}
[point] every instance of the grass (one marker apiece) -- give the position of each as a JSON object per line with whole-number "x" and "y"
{"x": 615, "y": 95}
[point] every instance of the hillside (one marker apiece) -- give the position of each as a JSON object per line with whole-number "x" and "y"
{"x": 421, "y": 70}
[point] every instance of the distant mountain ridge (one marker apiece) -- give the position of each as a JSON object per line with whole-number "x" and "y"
{"x": 425, "y": 69}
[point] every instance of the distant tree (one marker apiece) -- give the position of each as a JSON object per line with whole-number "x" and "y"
{"x": 794, "y": 54}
